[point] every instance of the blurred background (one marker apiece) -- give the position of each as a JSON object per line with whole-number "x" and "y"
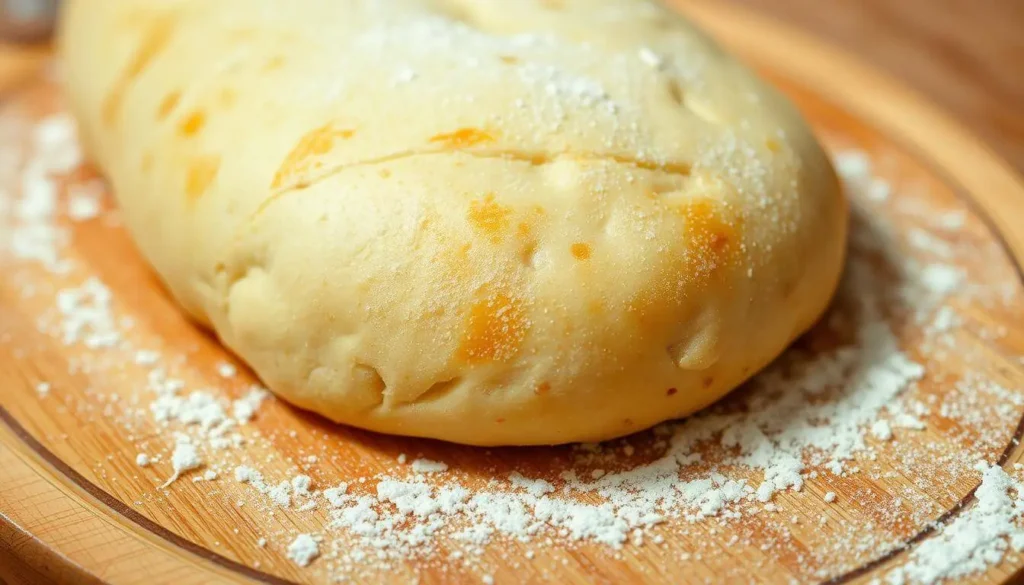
{"x": 26, "y": 20}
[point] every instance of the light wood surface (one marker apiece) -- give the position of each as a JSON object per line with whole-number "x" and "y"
{"x": 74, "y": 507}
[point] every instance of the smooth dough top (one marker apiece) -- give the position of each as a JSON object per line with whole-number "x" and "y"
{"x": 484, "y": 221}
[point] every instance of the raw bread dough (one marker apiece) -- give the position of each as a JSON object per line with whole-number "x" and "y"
{"x": 486, "y": 221}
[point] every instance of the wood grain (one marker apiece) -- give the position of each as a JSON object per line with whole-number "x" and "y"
{"x": 965, "y": 55}
{"x": 76, "y": 508}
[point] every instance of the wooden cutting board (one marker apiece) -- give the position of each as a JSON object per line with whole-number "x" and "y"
{"x": 76, "y": 508}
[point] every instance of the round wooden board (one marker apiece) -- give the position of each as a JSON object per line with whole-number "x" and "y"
{"x": 75, "y": 507}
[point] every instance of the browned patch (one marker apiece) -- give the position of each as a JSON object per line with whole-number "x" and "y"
{"x": 495, "y": 330}
{"x": 302, "y": 158}
{"x": 713, "y": 242}
{"x": 168, "y": 104}
{"x": 499, "y": 420}
{"x": 671, "y": 392}
{"x": 155, "y": 38}
{"x": 488, "y": 216}
{"x": 542, "y": 388}
{"x": 192, "y": 124}
{"x": 200, "y": 174}
{"x": 580, "y": 251}
{"x": 707, "y": 382}
{"x": 463, "y": 138}
{"x": 525, "y": 228}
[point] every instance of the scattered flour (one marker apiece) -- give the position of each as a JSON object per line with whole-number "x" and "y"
{"x": 184, "y": 459}
{"x": 802, "y": 418}
{"x": 881, "y": 430}
{"x": 428, "y": 466}
{"x": 86, "y": 315}
{"x": 303, "y": 550}
{"x": 84, "y": 201}
{"x": 975, "y": 540}
{"x": 245, "y": 408}
{"x": 226, "y": 370}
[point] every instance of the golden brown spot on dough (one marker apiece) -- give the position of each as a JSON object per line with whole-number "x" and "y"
{"x": 488, "y": 216}
{"x": 509, "y": 59}
{"x": 671, "y": 391}
{"x": 168, "y": 104}
{"x": 580, "y": 251}
{"x": 707, "y": 382}
{"x": 463, "y": 138}
{"x": 201, "y": 172}
{"x": 499, "y": 420}
{"x": 773, "y": 145}
{"x": 596, "y": 307}
{"x": 525, "y": 228}
{"x": 496, "y": 329}
{"x": 301, "y": 159}
{"x": 155, "y": 38}
{"x": 542, "y": 388}
{"x": 712, "y": 242}
{"x": 528, "y": 254}
{"x": 192, "y": 124}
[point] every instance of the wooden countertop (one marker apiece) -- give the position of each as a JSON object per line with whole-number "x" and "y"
{"x": 74, "y": 508}
{"x": 965, "y": 55}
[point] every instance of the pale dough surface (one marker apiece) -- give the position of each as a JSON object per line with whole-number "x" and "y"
{"x": 485, "y": 221}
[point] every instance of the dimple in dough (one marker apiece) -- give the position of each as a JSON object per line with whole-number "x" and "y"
{"x": 483, "y": 221}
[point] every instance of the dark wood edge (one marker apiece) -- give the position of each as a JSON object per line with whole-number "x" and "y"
{"x": 53, "y": 568}
{"x": 99, "y": 496}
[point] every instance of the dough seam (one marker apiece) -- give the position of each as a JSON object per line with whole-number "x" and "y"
{"x": 539, "y": 158}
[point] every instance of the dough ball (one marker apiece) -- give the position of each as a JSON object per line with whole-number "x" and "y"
{"x": 491, "y": 222}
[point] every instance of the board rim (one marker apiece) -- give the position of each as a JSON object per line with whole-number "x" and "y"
{"x": 983, "y": 169}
